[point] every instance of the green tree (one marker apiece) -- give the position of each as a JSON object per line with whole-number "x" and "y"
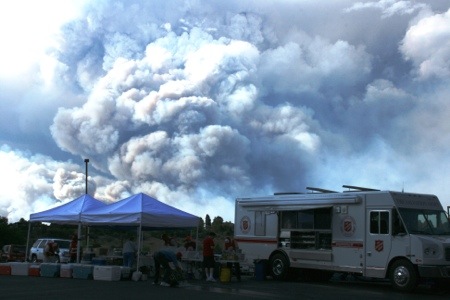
{"x": 217, "y": 225}
{"x": 207, "y": 222}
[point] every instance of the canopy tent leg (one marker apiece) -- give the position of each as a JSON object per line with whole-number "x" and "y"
{"x": 28, "y": 241}
{"x": 78, "y": 243}
{"x": 139, "y": 234}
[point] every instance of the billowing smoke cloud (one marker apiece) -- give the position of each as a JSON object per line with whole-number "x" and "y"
{"x": 199, "y": 102}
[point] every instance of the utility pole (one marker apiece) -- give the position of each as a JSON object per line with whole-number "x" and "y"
{"x": 86, "y": 161}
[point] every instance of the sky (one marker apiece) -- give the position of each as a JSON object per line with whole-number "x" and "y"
{"x": 199, "y": 102}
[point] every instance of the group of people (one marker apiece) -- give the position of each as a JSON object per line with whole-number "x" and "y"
{"x": 51, "y": 251}
{"x": 170, "y": 262}
{"x": 209, "y": 261}
{"x": 165, "y": 258}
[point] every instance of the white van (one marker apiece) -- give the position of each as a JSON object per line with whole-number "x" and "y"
{"x": 37, "y": 250}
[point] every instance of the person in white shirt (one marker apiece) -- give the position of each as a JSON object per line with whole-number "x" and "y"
{"x": 129, "y": 252}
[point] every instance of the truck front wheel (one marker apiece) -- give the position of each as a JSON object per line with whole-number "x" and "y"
{"x": 403, "y": 276}
{"x": 279, "y": 267}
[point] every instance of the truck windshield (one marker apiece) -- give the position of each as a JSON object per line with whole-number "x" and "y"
{"x": 430, "y": 222}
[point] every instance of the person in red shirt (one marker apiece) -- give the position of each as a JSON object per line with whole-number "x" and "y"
{"x": 73, "y": 248}
{"x": 208, "y": 256}
{"x": 230, "y": 245}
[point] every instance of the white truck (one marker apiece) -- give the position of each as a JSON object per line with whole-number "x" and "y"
{"x": 404, "y": 237}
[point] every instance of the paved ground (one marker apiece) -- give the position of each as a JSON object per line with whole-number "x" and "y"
{"x": 37, "y": 288}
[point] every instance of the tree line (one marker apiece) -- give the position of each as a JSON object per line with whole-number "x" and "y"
{"x": 16, "y": 233}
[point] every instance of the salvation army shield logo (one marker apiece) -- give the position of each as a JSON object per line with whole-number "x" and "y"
{"x": 245, "y": 224}
{"x": 348, "y": 226}
{"x": 379, "y": 246}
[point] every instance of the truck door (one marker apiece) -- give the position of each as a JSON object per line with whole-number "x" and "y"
{"x": 378, "y": 242}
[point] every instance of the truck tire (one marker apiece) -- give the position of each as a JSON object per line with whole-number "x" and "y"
{"x": 403, "y": 275}
{"x": 279, "y": 267}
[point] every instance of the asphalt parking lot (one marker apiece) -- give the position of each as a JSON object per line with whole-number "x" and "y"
{"x": 46, "y": 288}
{"x": 37, "y": 288}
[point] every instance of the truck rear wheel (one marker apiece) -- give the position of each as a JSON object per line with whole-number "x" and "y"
{"x": 403, "y": 276}
{"x": 279, "y": 267}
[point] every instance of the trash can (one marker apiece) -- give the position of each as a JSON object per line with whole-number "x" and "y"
{"x": 260, "y": 269}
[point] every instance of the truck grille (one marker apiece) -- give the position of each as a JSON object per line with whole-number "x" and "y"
{"x": 447, "y": 253}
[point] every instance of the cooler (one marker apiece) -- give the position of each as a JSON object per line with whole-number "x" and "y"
{"x": 108, "y": 273}
{"x": 34, "y": 270}
{"x": 82, "y": 271}
{"x": 20, "y": 268}
{"x": 66, "y": 271}
{"x": 50, "y": 269}
{"x": 5, "y": 269}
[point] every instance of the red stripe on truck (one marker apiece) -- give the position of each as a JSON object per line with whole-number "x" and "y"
{"x": 347, "y": 244}
{"x": 256, "y": 241}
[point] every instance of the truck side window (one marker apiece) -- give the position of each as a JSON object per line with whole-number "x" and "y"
{"x": 289, "y": 219}
{"x": 379, "y": 222}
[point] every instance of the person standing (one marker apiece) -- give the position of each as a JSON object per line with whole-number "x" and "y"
{"x": 231, "y": 247}
{"x": 73, "y": 248}
{"x": 129, "y": 252}
{"x": 208, "y": 256}
{"x": 189, "y": 244}
{"x": 51, "y": 252}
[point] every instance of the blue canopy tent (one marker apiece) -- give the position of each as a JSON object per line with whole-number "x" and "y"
{"x": 142, "y": 211}
{"x": 68, "y": 213}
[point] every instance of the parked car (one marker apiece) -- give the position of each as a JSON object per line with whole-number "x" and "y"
{"x": 13, "y": 253}
{"x": 37, "y": 250}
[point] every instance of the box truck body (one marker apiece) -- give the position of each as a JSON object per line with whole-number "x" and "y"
{"x": 378, "y": 234}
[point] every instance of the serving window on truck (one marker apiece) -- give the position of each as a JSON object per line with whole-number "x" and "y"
{"x": 308, "y": 229}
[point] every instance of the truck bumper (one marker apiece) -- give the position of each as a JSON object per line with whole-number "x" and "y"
{"x": 434, "y": 271}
